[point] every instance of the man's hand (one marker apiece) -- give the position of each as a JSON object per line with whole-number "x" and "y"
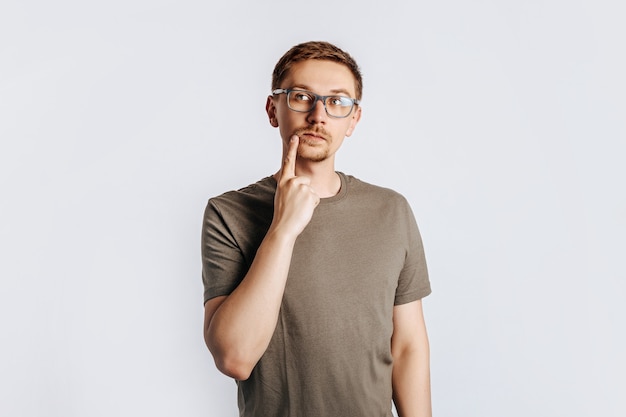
{"x": 295, "y": 199}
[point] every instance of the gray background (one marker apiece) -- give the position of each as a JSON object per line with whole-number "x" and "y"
{"x": 502, "y": 122}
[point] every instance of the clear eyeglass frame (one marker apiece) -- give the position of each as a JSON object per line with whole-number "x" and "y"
{"x": 343, "y": 102}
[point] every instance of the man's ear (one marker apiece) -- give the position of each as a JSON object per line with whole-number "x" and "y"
{"x": 354, "y": 120}
{"x": 270, "y": 109}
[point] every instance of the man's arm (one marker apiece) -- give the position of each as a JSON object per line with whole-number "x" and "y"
{"x": 411, "y": 361}
{"x": 239, "y": 327}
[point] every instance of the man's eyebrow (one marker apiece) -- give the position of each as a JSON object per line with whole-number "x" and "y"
{"x": 301, "y": 87}
{"x": 341, "y": 90}
{"x": 334, "y": 91}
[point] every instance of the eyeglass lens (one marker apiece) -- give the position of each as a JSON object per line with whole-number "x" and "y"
{"x": 304, "y": 101}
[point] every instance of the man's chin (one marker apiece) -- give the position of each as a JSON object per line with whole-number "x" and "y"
{"x": 311, "y": 155}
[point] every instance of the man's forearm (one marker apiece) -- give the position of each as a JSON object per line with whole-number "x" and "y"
{"x": 411, "y": 361}
{"x": 411, "y": 383}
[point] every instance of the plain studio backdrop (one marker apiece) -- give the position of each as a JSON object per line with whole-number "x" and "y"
{"x": 502, "y": 122}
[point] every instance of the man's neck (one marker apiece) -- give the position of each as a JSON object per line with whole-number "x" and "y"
{"x": 324, "y": 180}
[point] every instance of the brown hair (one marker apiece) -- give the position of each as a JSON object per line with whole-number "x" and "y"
{"x": 316, "y": 50}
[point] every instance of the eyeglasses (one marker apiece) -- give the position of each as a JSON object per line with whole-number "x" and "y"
{"x": 304, "y": 101}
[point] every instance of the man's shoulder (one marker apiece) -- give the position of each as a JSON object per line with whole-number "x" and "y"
{"x": 264, "y": 187}
{"x": 258, "y": 196}
{"x": 367, "y": 189}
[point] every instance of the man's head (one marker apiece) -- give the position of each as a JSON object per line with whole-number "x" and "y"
{"x": 316, "y": 89}
{"x": 316, "y": 50}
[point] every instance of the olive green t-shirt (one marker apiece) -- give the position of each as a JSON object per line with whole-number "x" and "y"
{"x": 360, "y": 255}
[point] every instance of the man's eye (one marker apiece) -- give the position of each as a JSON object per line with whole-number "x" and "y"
{"x": 339, "y": 101}
{"x": 303, "y": 97}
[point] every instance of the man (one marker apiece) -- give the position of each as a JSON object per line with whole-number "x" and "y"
{"x": 313, "y": 279}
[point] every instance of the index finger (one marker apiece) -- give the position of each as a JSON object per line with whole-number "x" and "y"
{"x": 289, "y": 164}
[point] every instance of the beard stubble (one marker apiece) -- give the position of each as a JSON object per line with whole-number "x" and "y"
{"x": 313, "y": 150}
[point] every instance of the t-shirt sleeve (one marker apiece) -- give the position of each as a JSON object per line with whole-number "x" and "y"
{"x": 413, "y": 282}
{"x": 223, "y": 264}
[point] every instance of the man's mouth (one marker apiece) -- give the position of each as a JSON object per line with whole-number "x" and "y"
{"x": 312, "y": 135}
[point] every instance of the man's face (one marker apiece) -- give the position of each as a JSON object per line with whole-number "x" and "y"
{"x": 320, "y": 134}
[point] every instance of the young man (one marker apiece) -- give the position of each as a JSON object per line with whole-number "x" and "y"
{"x": 314, "y": 279}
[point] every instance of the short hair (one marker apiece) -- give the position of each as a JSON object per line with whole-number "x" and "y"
{"x": 316, "y": 50}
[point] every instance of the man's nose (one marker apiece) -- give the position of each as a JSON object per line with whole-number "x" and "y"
{"x": 317, "y": 113}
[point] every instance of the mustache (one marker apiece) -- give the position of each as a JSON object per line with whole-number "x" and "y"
{"x": 317, "y": 131}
